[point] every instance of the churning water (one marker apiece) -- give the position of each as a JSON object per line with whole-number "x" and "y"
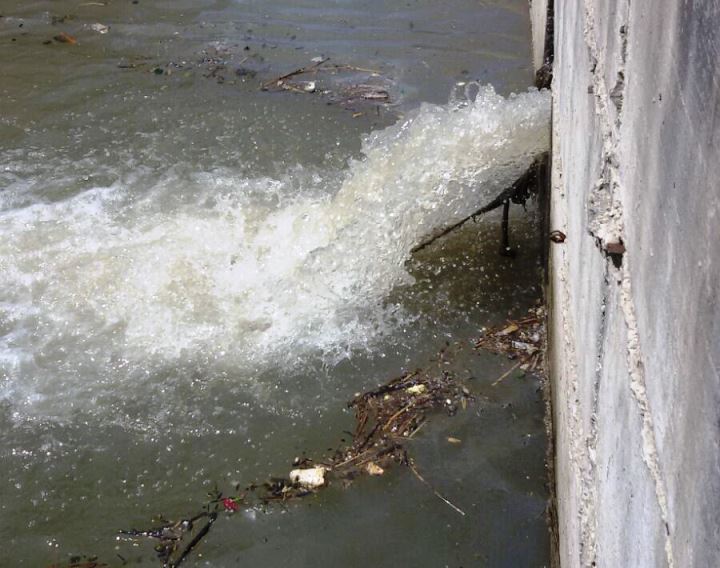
{"x": 242, "y": 272}
{"x": 195, "y": 275}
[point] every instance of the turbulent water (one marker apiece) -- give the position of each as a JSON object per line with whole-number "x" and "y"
{"x": 99, "y": 288}
{"x": 196, "y": 275}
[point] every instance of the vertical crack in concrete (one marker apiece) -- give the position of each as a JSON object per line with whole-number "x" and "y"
{"x": 604, "y": 208}
{"x": 617, "y": 94}
{"x": 638, "y": 388}
{"x": 606, "y": 225}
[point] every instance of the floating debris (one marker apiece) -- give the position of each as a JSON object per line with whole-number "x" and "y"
{"x": 63, "y": 37}
{"x": 281, "y": 82}
{"x": 417, "y": 389}
{"x": 99, "y": 28}
{"x": 522, "y": 339}
{"x": 55, "y": 20}
{"x": 344, "y": 91}
{"x": 348, "y": 86}
{"x": 384, "y": 419}
{"x": 367, "y": 92}
{"x": 374, "y": 469}
{"x": 81, "y": 561}
{"x": 512, "y": 328}
{"x": 310, "y": 478}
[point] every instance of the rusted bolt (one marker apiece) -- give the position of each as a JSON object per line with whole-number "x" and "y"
{"x": 557, "y": 237}
{"x": 615, "y": 253}
{"x": 615, "y": 248}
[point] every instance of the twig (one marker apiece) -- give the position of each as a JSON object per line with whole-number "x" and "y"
{"x": 350, "y": 460}
{"x": 194, "y": 542}
{"x": 511, "y": 369}
{"x": 299, "y": 71}
{"x": 395, "y": 385}
{"x": 398, "y": 413}
{"x": 494, "y": 204}
{"x": 516, "y": 192}
{"x": 421, "y": 478}
{"x": 353, "y": 68}
{"x": 419, "y": 427}
{"x": 293, "y": 88}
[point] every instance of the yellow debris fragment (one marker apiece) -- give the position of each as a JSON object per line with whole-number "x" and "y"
{"x": 374, "y": 469}
{"x": 512, "y": 328}
{"x": 417, "y": 389}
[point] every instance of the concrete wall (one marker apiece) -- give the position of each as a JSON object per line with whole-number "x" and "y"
{"x": 635, "y": 335}
{"x": 538, "y": 13}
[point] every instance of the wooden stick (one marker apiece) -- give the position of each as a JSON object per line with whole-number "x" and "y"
{"x": 299, "y": 71}
{"x": 353, "y": 68}
{"x": 511, "y": 369}
{"x": 514, "y": 192}
{"x": 194, "y": 542}
{"x": 421, "y": 478}
{"x": 398, "y": 413}
{"x": 412, "y": 434}
{"x": 350, "y": 460}
{"x": 505, "y": 230}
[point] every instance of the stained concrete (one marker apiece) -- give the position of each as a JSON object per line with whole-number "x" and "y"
{"x": 538, "y": 13}
{"x": 635, "y": 337}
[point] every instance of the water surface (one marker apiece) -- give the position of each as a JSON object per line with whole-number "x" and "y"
{"x": 196, "y": 274}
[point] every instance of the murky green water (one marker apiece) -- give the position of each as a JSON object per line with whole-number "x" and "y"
{"x": 196, "y": 275}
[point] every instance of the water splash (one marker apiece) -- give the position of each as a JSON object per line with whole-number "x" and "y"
{"x": 100, "y": 287}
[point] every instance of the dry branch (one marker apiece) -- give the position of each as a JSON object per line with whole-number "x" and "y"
{"x": 300, "y": 71}
{"x": 519, "y": 192}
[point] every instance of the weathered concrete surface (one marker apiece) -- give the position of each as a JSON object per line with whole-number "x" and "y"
{"x": 538, "y": 13}
{"x": 635, "y": 338}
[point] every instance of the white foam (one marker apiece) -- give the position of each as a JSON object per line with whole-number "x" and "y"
{"x": 251, "y": 272}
